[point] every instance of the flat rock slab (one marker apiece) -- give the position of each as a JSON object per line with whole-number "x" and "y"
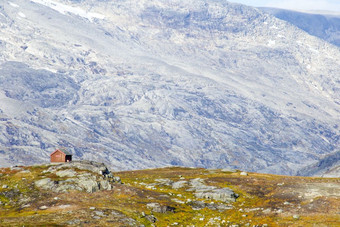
{"x": 203, "y": 191}
{"x": 66, "y": 173}
{"x": 179, "y": 184}
{"x": 156, "y": 207}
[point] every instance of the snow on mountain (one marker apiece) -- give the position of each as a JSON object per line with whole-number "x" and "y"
{"x": 64, "y": 9}
{"x": 153, "y": 83}
{"x": 323, "y": 24}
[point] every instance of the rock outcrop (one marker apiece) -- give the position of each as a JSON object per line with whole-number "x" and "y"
{"x": 156, "y": 207}
{"x": 200, "y": 189}
{"x": 203, "y": 191}
{"x": 80, "y": 175}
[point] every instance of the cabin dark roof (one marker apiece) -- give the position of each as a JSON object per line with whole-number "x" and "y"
{"x": 65, "y": 151}
{"x": 62, "y": 150}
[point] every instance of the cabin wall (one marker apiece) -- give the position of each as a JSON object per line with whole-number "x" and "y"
{"x": 58, "y": 157}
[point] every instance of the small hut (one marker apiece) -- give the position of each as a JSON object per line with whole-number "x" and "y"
{"x": 61, "y": 155}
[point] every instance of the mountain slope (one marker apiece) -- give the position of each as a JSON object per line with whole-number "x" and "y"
{"x": 328, "y": 166}
{"x": 325, "y": 26}
{"x": 152, "y": 83}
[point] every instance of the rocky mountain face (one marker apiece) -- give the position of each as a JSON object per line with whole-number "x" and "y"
{"x": 328, "y": 166}
{"x": 138, "y": 84}
{"x": 326, "y": 27}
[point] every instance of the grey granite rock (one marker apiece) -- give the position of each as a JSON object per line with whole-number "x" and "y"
{"x": 66, "y": 173}
{"x": 81, "y": 176}
{"x": 203, "y": 191}
{"x": 156, "y": 207}
{"x": 179, "y": 184}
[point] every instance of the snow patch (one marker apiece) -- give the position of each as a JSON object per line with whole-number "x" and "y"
{"x": 271, "y": 42}
{"x": 13, "y": 5}
{"x": 21, "y": 14}
{"x": 64, "y": 9}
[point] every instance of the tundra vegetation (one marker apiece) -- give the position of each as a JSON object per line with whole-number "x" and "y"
{"x": 163, "y": 197}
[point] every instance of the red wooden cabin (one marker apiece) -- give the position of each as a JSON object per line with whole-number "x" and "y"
{"x": 60, "y": 155}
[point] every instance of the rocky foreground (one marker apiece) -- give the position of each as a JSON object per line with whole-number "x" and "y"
{"x": 88, "y": 194}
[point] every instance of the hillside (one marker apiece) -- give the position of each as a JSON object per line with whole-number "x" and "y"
{"x": 322, "y": 25}
{"x": 144, "y": 84}
{"x": 87, "y": 193}
{"x": 328, "y": 166}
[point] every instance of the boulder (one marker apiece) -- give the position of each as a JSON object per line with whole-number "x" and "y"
{"x": 116, "y": 179}
{"x": 179, "y": 184}
{"x": 151, "y": 218}
{"x": 227, "y": 170}
{"x": 43, "y": 208}
{"x": 164, "y": 182}
{"x": 296, "y": 217}
{"x": 88, "y": 183}
{"x": 203, "y": 191}
{"x": 156, "y": 207}
{"x": 104, "y": 185}
{"x": 45, "y": 183}
{"x": 220, "y": 194}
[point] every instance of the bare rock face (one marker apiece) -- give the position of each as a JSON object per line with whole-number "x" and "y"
{"x": 156, "y": 207}
{"x": 200, "y": 190}
{"x": 179, "y": 184}
{"x": 95, "y": 167}
{"x": 45, "y": 183}
{"x": 328, "y": 166}
{"x": 254, "y": 85}
{"x": 81, "y": 176}
{"x": 66, "y": 173}
{"x": 203, "y": 191}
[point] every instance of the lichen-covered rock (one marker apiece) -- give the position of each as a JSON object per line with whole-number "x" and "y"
{"x": 158, "y": 208}
{"x": 45, "y": 183}
{"x": 227, "y": 170}
{"x": 164, "y": 182}
{"x": 89, "y": 184}
{"x": 94, "y": 167}
{"x": 104, "y": 185}
{"x": 66, "y": 173}
{"x": 67, "y": 187}
{"x": 220, "y": 194}
{"x": 81, "y": 176}
{"x": 151, "y": 218}
{"x": 179, "y": 184}
{"x": 203, "y": 191}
